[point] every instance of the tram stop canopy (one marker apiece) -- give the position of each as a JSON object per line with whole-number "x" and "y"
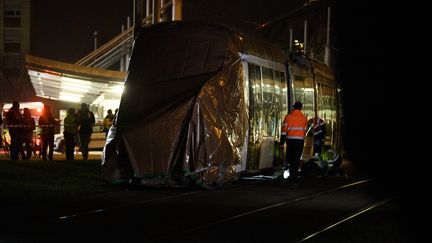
{"x": 183, "y": 115}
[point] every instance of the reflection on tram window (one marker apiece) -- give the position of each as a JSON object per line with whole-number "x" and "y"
{"x": 255, "y": 102}
{"x": 281, "y": 99}
{"x": 269, "y": 110}
{"x": 303, "y": 92}
{"x": 327, "y": 111}
{"x": 267, "y": 107}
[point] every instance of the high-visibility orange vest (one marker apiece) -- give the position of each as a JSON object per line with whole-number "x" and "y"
{"x": 294, "y": 125}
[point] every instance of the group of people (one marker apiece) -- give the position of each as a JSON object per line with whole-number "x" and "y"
{"x": 21, "y": 127}
{"x": 294, "y": 128}
{"x": 78, "y": 127}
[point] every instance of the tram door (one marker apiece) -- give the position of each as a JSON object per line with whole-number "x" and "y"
{"x": 267, "y": 108}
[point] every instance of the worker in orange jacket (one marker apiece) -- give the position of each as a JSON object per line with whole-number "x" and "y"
{"x": 293, "y": 133}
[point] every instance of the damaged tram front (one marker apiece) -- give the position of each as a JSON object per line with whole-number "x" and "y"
{"x": 203, "y": 103}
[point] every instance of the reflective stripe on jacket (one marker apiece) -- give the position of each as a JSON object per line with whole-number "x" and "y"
{"x": 318, "y": 126}
{"x": 294, "y": 125}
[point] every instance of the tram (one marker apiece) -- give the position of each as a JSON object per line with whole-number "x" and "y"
{"x": 203, "y": 103}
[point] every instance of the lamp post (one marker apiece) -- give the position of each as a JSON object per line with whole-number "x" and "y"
{"x": 95, "y": 33}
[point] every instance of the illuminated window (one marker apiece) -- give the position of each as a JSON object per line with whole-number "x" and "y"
{"x": 267, "y": 108}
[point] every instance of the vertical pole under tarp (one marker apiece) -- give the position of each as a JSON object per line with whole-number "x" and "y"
{"x": 305, "y": 38}
{"x": 327, "y": 46}
{"x": 138, "y": 15}
{"x": 177, "y": 10}
{"x": 95, "y": 33}
{"x": 290, "y": 40}
{"x": 156, "y": 12}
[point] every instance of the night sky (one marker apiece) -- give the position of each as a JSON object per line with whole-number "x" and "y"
{"x": 63, "y": 30}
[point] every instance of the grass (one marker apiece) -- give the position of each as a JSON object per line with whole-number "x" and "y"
{"x": 39, "y": 180}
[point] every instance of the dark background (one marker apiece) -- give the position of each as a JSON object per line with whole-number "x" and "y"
{"x": 63, "y": 30}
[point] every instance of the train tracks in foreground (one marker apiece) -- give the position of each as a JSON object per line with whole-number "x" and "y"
{"x": 182, "y": 216}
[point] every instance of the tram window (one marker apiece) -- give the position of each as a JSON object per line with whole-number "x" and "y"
{"x": 255, "y": 116}
{"x": 327, "y": 111}
{"x": 299, "y": 90}
{"x": 269, "y": 106}
{"x": 255, "y": 100}
{"x": 280, "y": 100}
{"x": 308, "y": 104}
{"x": 303, "y": 92}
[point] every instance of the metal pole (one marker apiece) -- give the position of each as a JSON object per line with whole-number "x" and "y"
{"x": 121, "y": 58}
{"x": 147, "y": 8}
{"x": 133, "y": 13}
{"x": 156, "y": 11}
{"x": 305, "y": 38}
{"x": 290, "y": 39}
{"x": 95, "y": 33}
{"x": 327, "y": 46}
{"x": 177, "y": 10}
{"x": 138, "y": 15}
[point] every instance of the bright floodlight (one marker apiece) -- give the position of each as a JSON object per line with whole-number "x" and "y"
{"x": 286, "y": 174}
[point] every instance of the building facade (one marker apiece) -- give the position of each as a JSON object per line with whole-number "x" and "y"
{"x": 14, "y": 44}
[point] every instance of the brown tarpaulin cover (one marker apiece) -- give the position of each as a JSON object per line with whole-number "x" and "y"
{"x": 183, "y": 112}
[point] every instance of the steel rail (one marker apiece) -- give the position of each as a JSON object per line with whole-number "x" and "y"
{"x": 351, "y": 216}
{"x": 275, "y": 205}
{"x": 60, "y": 219}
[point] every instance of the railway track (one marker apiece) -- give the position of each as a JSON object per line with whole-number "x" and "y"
{"x": 241, "y": 211}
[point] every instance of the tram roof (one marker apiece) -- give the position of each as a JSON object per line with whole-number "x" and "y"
{"x": 263, "y": 49}
{"x": 243, "y": 42}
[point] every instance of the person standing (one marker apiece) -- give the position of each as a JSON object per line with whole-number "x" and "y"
{"x": 108, "y": 121}
{"x": 29, "y": 126}
{"x": 319, "y": 133}
{"x": 86, "y": 120}
{"x": 70, "y": 132}
{"x": 13, "y": 122}
{"x": 47, "y": 123}
{"x": 293, "y": 133}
